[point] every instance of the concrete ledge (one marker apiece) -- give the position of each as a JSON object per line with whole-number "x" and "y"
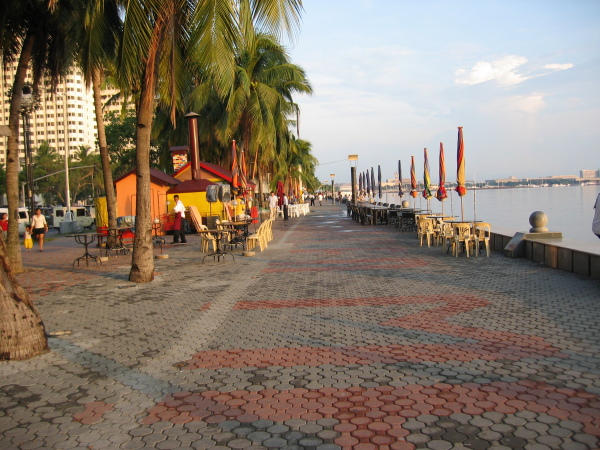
{"x": 552, "y": 251}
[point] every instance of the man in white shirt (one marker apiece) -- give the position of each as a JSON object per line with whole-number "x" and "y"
{"x": 285, "y": 207}
{"x": 273, "y": 205}
{"x": 178, "y": 229}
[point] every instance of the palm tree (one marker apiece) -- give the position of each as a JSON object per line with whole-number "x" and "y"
{"x": 100, "y": 26}
{"x": 33, "y": 33}
{"x": 261, "y": 98}
{"x": 152, "y": 52}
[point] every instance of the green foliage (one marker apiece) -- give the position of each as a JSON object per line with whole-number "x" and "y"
{"x": 120, "y": 139}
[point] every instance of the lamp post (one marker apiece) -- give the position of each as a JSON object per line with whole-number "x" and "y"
{"x": 332, "y": 175}
{"x": 353, "y": 162}
{"x": 27, "y": 106}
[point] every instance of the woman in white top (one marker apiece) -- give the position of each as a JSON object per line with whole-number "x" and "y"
{"x": 40, "y": 226}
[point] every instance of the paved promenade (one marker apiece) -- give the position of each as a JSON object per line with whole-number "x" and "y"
{"x": 336, "y": 336}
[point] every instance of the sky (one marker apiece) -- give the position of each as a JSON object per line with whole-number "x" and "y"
{"x": 392, "y": 77}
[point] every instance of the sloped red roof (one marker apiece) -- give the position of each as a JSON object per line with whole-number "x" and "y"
{"x": 217, "y": 170}
{"x": 155, "y": 175}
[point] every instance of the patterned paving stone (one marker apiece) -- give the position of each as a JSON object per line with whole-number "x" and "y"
{"x": 337, "y": 336}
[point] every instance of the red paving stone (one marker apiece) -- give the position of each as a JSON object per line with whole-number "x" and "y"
{"x": 361, "y": 420}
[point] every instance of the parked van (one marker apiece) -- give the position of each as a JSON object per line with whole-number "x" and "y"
{"x": 57, "y": 214}
{"x": 23, "y": 218}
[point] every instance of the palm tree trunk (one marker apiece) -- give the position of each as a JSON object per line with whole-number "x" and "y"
{"x": 142, "y": 265}
{"x": 13, "y": 246}
{"x": 109, "y": 189}
{"x": 22, "y": 333}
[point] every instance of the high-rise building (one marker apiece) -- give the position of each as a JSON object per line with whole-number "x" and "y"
{"x": 65, "y": 117}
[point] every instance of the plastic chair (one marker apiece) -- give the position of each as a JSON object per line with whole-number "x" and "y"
{"x": 461, "y": 236}
{"x": 445, "y": 235}
{"x": 207, "y": 238}
{"x": 425, "y": 228}
{"x": 482, "y": 233}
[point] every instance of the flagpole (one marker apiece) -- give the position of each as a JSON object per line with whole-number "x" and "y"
{"x": 474, "y": 198}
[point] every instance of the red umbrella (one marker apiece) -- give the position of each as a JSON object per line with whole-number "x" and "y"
{"x": 235, "y": 169}
{"x": 461, "y": 186}
{"x": 243, "y": 176}
{"x": 413, "y": 179}
{"x": 280, "y": 193}
{"x": 426, "y": 180}
{"x": 441, "y": 193}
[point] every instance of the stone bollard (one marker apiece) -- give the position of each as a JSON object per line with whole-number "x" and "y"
{"x": 406, "y": 204}
{"x": 538, "y": 221}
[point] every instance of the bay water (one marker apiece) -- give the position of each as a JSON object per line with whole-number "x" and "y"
{"x": 570, "y": 209}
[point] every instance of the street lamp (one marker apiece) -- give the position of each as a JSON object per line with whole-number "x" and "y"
{"x": 353, "y": 162}
{"x": 332, "y": 175}
{"x": 28, "y": 104}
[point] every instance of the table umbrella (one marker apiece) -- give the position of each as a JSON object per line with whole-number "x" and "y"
{"x": 379, "y": 180}
{"x": 367, "y": 183}
{"x": 235, "y": 169}
{"x": 441, "y": 193}
{"x": 426, "y": 180}
{"x": 280, "y": 193}
{"x": 413, "y": 180}
{"x": 461, "y": 186}
{"x": 360, "y": 182}
{"x": 372, "y": 182}
{"x": 243, "y": 175}
{"x": 400, "y": 193}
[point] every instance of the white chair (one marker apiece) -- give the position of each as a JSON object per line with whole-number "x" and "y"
{"x": 206, "y": 239}
{"x": 482, "y": 234}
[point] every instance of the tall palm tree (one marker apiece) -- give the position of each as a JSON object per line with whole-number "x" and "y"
{"x": 158, "y": 37}
{"x": 99, "y": 28}
{"x": 33, "y": 33}
{"x": 261, "y": 98}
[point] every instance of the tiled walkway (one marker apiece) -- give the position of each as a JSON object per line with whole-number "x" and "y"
{"x": 336, "y": 336}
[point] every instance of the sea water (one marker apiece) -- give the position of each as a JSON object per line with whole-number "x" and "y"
{"x": 570, "y": 209}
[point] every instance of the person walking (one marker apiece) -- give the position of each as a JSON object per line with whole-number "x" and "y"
{"x": 285, "y": 207}
{"x": 40, "y": 228}
{"x": 4, "y": 226}
{"x": 27, "y": 241}
{"x": 320, "y": 199}
{"x": 273, "y": 205}
{"x": 312, "y": 199}
{"x": 178, "y": 229}
{"x": 596, "y": 221}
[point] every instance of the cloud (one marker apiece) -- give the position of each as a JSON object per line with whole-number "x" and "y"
{"x": 503, "y": 70}
{"x": 529, "y": 104}
{"x": 558, "y": 66}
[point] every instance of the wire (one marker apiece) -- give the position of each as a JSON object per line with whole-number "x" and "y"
{"x": 332, "y": 162}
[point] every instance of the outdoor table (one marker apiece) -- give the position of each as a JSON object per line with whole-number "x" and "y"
{"x": 156, "y": 238}
{"x": 218, "y": 252}
{"x": 85, "y": 239}
{"x": 240, "y": 226}
{"x": 114, "y": 241}
{"x": 378, "y": 213}
{"x": 469, "y": 221}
